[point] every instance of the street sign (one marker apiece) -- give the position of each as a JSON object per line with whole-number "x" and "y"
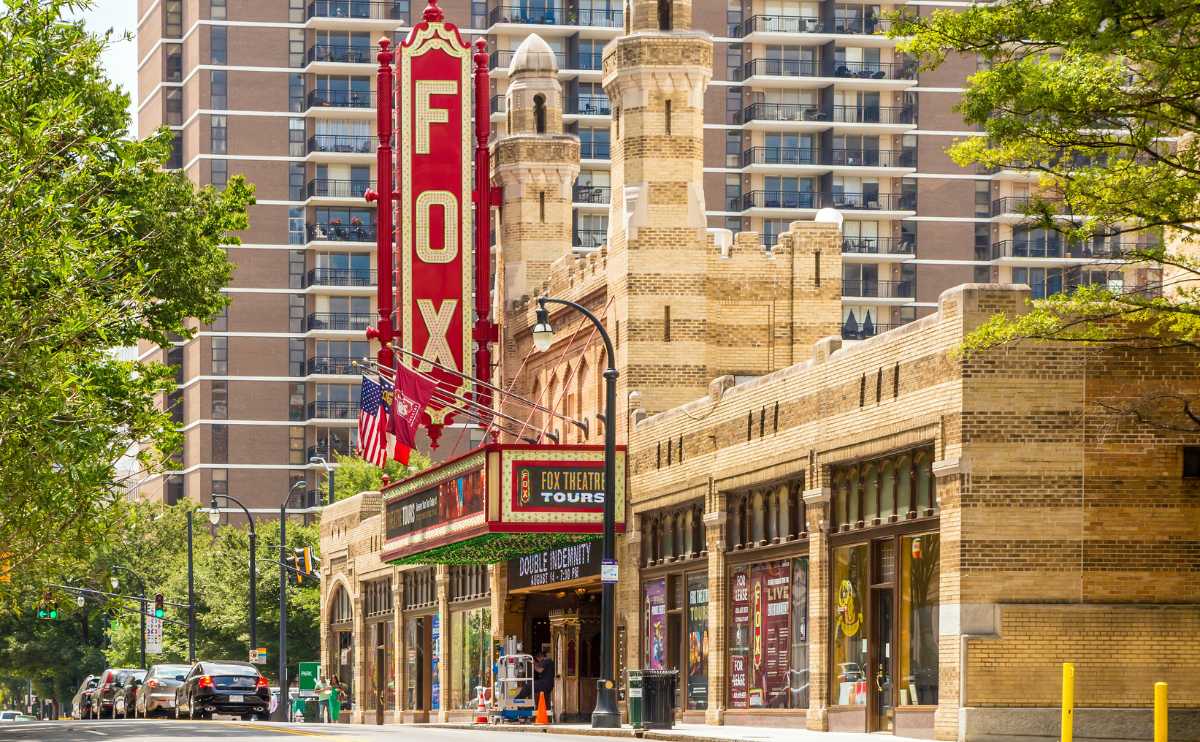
{"x": 608, "y": 571}
{"x": 154, "y": 635}
{"x": 258, "y": 656}
{"x": 308, "y": 676}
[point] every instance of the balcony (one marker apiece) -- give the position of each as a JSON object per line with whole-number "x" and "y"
{"x": 872, "y": 115}
{"x": 533, "y": 15}
{"x": 1020, "y": 205}
{"x": 340, "y": 99}
{"x": 336, "y": 232}
{"x": 784, "y": 112}
{"x": 874, "y": 201}
{"x": 875, "y": 70}
{"x": 361, "y": 144}
{"x": 594, "y": 150}
{"x": 589, "y": 239}
{"x": 502, "y": 58}
{"x": 596, "y": 17}
{"x": 589, "y": 105}
{"x": 588, "y": 194}
{"x": 327, "y": 188}
{"x": 779, "y": 24}
{"x": 333, "y": 410}
{"x": 340, "y": 277}
{"x": 780, "y": 68}
{"x": 587, "y": 61}
{"x": 852, "y": 330}
{"x": 331, "y": 365}
{"x": 878, "y": 289}
{"x": 359, "y": 9}
{"x": 776, "y": 200}
{"x": 781, "y": 156}
{"x": 329, "y": 451}
{"x": 339, "y": 320}
{"x": 873, "y": 157}
{"x": 344, "y": 53}
{"x": 1051, "y": 249}
{"x": 859, "y": 25}
{"x": 877, "y": 246}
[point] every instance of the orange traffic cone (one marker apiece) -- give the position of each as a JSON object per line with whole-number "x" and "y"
{"x": 481, "y": 714}
{"x": 541, "y": 717}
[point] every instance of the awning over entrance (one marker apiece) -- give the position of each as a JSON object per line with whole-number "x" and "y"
{"x": 500, "y": 501}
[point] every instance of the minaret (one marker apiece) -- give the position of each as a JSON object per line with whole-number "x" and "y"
{"x": 536, "y": 164}
{"x": 655, "y": 77}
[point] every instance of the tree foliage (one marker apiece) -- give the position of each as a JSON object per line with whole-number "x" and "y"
{"x": 356, "y": 475}
{"x": 1100, "y": 101}
{"x": 101, "y": 248}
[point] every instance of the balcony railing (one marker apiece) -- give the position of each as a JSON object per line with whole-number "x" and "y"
{"x": 339, "y": 53}
{"x": 328, "y": 451}
{"x": 863, "y": 26}
{"x": 779, "y": 24}
{"x": 497, "y": 104}
{"x": 384, "y": 10}
{"x": 587, "y": 61}
{"x": 504, "y": 58}
{"x": 783, "y": 112}
{"x": 588, "y": 194}
{"x": 873, "y": 157}
{"x": 337, "y": 365}
{"x": 327, "y": 188}
{"x": 589, "y": 238}
{"x": 867, "y": 329}
{"x": 781, "y": 156}
{"x": 878, "y": 289}
{"x": 874, "y": 201}
{"x": 531, "y": 14}
{"x": 872, "y": 115}
{"x": 344, "y": 143}
{"x": 781, "y": 68}
{"x": 594, "y": 150}
{"x": 341, "y": 232}
{"x": 878, "y": 246}
{"x": 1058, "y": 249}
{"x": 776, "y": 200}
{"x": 875, "y": 70}
{"x": 339, "y": 320}
{"x": 340, "y": 277}
{"x": 340, "y": 99}
{"x": 1020, "y": 204}
{"x": 600, "y": 17}
{"x": 590, "y": 105}
{"x": 333, "y": 410}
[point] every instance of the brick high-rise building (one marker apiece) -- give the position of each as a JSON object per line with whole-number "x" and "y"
{"x": 808, "y": 106}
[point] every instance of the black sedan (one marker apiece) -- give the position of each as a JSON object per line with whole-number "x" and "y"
{"x": 236, "y": 688}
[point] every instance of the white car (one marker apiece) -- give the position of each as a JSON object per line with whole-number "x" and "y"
{"x": 9, "y": 715}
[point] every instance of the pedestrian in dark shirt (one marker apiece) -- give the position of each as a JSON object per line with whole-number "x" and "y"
{"x": 543, "y": 679}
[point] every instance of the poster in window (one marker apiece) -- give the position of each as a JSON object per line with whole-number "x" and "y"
{"x": 770, "y": 618}
{"x": 739, "y": 642}
{"x": 435, "y": 686}
{"x": 656, "y": 624}
{"x": 697, "y": 679}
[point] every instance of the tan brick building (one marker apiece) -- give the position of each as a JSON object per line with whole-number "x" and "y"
{"x": 875, "y": 535}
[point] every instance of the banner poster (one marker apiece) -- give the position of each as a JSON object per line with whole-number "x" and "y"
{"x": 739, "y": 641}
{"x": 697, "y": 678}
{"x": 435, "y": 686}
{"x": 771, "y": 596}
{"x": 656, "y": 624}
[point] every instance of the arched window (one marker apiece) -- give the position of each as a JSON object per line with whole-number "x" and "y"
{"x": 582, "y": 379}
{"x": 887, "y": 490}
{"x": 539, "y": 113}
{"x": 904, "y": 503}
{"x": 870, "y": 493}
{"x": 339, "y": 608}
{"x": 853, "y": 514}
{"x": 924, "y": 498}
{"x": 758, "y": 534}
{"x": 664, "y": 15}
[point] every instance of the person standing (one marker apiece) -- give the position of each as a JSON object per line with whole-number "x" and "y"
{"x": 543, "y": 680}
{"x": 335, "y": 699}
{"x": 323, "y": 693}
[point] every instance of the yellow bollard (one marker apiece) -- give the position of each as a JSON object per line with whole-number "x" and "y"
{"x": 1068, "y": 702}
{"x": 1160, "y": 712}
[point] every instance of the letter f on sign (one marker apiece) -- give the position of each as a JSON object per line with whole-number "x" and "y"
{"x": 426, "y": 114}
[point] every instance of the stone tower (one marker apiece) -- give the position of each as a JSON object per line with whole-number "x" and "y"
{"x": 655, "y": 77}
{"x": 536, "y": 164}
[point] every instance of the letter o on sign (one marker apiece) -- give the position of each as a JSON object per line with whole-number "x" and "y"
{"x": 447, "y": 252}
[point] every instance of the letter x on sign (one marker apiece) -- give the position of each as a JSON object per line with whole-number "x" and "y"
{"x": 437, "y": 321}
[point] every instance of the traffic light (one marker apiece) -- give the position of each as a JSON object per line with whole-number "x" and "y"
{"x": 307, "y": 560}
{"x": 48, "y": 607}
{"x": 158, "y": 606}
{"x": 295, "y": 560}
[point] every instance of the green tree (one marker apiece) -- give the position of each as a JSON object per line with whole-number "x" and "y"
{"x": 1089, "y": 96}
{"x": 101, "y": 248}
{"x": 356, "y": 475}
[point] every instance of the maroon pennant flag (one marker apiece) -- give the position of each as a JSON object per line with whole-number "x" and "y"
{"x": 412, "y": 394}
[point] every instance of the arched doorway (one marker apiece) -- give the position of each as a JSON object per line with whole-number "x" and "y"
{"x": 341, "y": 641}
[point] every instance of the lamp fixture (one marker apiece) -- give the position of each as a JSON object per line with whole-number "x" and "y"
{"x": 543, "y": 332}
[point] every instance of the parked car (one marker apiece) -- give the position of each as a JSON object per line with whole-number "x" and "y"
{"x": 156, "y": 693}
{"x": 81, "y": 703}
{"x": 9, "y": 715}
{"x": 210, "y": 687}
{"x": 126, "y": 686}
{"x": 106, "y": 692}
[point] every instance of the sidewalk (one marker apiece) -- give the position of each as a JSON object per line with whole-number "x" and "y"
{"x": 681, "y": 732}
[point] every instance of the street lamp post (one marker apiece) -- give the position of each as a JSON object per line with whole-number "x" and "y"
{"x": 214, "y": 517}
{"x": 605, "y": 715}
{"x": 281, "y": 710}
{"x": 329, "y": 470}
{"x": 116, "y": 582}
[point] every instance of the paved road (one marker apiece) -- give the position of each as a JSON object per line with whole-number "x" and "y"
{"x": 173, "y": 731}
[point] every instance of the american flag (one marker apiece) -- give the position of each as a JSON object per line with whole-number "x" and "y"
{"x": 372, "y": 423}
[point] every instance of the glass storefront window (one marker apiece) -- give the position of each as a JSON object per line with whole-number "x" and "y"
{"x": 470, "y": 655}
{"x": 850, "y": 584}
{"x": 798, "y": 673}
{"x": 919, "y": 577}
{"x": 697, "y": 641}
{"x": 768, "y": 647}
{"x": 656, "y": 624}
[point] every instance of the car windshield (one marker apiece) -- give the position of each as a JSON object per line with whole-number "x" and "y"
{"x": 170, "y": 671}
{"x": 126, "y": 676}
{"x": 220, "y": 669}
{"x": 92, "y": 683}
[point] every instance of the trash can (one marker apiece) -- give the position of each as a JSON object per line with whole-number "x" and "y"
{"x": 658, "y": 698}
{"x": 312, "y": 710}
{"x": 633, "y": 693}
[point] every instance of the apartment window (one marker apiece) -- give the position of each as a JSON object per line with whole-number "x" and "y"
{"x": 733, "y": 149}
{"x": 733, "y": 224}
{"x": 174, "y": 492}
{"x": 594, "y": 144}
{"x": 295, "y": 92}
{"x": 296, "y": 137}
{"x": 175, "y": 161}
{"x": 296, "y": 11}
{"x": 733, "y": 61}
{"x": 295, "y": 225}
{"x": 733, "y": 105}
{"x": 296, "y": 269}
{"x": 296, "y": 445}
{"x": 173, "y": 19}
{"x": 296, "y": 181}
{"x": 173, "y": 106}
{"x": 733, "y": 192}
{"x": 220, "y": 323}
{"x": 1042, "y": 281}
{"x": 220, "y": 356}
{"x": 983, "y": 198}
{"x": 983, "y": 242}
{"x": 733, "y": 18}
{"x": 296, "y": 47}
{"x": 216, "y": 9}
{"x": 219, "y": 135}
{"x": 220, "y": 400}
{"x": 982, "y": 274}
{"x": 295, "y": 401}
{"x": 295, "y": 357}
{"x": 220, "y": 482}
{"x": 218, "y": 90}
{"x": 219, "y": 173}
{"x": 174, "y": 64}
{"x": 218, "y": 44}
{"x": 478, "y": 14}
{"x": 295, "y": 313}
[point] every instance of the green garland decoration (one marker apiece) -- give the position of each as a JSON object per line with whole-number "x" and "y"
{"x": 492, "y": 548}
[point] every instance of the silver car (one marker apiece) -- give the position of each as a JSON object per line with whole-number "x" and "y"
{"x": 156, "y": 694}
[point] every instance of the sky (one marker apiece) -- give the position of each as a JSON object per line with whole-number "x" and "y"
{"x": 120, "y": 58}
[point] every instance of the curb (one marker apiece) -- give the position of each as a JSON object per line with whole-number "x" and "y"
{"x": 542, "y": 729}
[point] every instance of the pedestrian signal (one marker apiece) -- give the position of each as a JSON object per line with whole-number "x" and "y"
{"x": 158, "y": 606}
